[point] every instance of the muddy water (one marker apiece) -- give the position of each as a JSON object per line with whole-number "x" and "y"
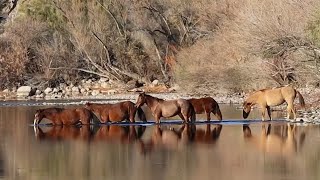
{"x": 274, "y": 150}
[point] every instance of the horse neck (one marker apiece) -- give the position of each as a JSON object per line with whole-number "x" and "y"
{"x": 152, "y": 101}
{"x": 253, "y": 98}
{"x": 49, "y": 115}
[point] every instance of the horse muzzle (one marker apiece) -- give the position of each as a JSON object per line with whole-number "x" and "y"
{"x": 35, "y": 122}
{"x": 245, "y": 114}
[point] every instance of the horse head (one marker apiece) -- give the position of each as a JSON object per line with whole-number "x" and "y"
{"x": 39, "y": 115}
{"x": 246, "y": 109}
{"x": 141, "y": 99}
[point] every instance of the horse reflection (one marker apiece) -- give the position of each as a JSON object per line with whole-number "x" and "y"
{"x": 123, "y": 134}
{"x": 57, "y": 133}
{"x": 112, "y": 133}
{"x": 172, "y": 139}
{"x": 283, "y": 141}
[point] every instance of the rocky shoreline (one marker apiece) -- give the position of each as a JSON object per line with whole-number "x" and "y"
{"x": 104, "y": 90}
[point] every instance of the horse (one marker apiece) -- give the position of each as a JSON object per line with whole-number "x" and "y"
{"x": 284, "y": 142}
{"x": 125, "y": 110}
{"x": 167, "y": 108}
{"x": 57, "y": 133}
{"x": 61, "y": 116}
{"x": 207, "y": 105}
{"x": 267, "y": 98}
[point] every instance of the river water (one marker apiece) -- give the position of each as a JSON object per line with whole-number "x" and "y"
{"x": 269, "y": 150}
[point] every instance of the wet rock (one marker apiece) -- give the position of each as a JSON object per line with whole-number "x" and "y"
{"x": 23, "y": 91}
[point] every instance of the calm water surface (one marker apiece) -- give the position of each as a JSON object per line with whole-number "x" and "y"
{"x": 274, "y": 150}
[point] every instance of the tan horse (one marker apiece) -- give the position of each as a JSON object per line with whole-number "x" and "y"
{"x": 167, "y": 108}
{"x": 267, "y": 98}
{"x": 206, "y": 105}
{"x": 284, "y": 142}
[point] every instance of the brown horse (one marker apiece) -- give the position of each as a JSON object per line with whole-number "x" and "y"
{"x": 207, "y": 105}
{"x": 167, "y": 108}
{"x": 125, "y": 110}
{"x": 57, "y": 133}
{"x": 267, "y": 98}
{"x": 61, "y": 116}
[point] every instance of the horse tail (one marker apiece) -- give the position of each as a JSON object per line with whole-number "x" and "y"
{"x": 141, "y": 114}
{"x": 301, "y": 99}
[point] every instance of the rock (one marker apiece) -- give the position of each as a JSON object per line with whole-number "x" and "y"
{"x": 105, "y": 85}
{"x": 38, "y": 92}
{"x": 95, "y": 92}
{"x": 55, "y": 90}
{"x": 103, "y": 80}
{"x": 75, "y": 89}
{"x": 83, "y": 90}
{"x": 112, "y": 91}
{"x": 89, "y": 81}
{"x": 23, "y": 91}
{"x": 6, "y": 91}
{"x": 48, "y": 90}
{"x": 41, "y": 95}
{"x": 155, "y": 82}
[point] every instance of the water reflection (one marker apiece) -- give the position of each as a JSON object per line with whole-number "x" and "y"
{"x": 112, "y": 133}
{"x": 281, "y": 139}
{"x": 257, "y": 151}
{"x": 177, "y": 138}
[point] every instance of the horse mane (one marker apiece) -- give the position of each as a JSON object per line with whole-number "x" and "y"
{"x": 158, "y": 99}
{"x": 50, "y": 110}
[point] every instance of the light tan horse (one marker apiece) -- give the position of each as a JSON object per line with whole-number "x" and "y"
{"x": 167, "y": 108}
{"x": 267, "y": 98}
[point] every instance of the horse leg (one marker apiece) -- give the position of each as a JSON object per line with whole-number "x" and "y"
{"x": 208, "y": 116}
{"x": 132, "y": 116}
{"x": 269, "y": 112}
{"x": 182, "y": 117}
{"x": 263, "y": 112}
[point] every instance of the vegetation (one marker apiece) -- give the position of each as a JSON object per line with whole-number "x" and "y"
{"x": 202, "y": 45}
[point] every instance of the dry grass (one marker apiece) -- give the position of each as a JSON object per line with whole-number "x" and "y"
{"x": 234, "y": 58}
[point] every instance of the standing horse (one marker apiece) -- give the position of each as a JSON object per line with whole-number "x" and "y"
{"x": 267, "y": 98}
{"x": 60, "y": 116}
{"x": 167, "y": 108}
{"x": 207, "y": 105}
{"x": 125, "y": 110}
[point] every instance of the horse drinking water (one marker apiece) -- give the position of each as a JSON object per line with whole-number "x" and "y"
{"x": 267, "y": 98}
{"x": 207, "y": 105}
{"x": 61, "y": 116}
{"x": 167, "y": 108}
{"x": 125, "y": 110}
